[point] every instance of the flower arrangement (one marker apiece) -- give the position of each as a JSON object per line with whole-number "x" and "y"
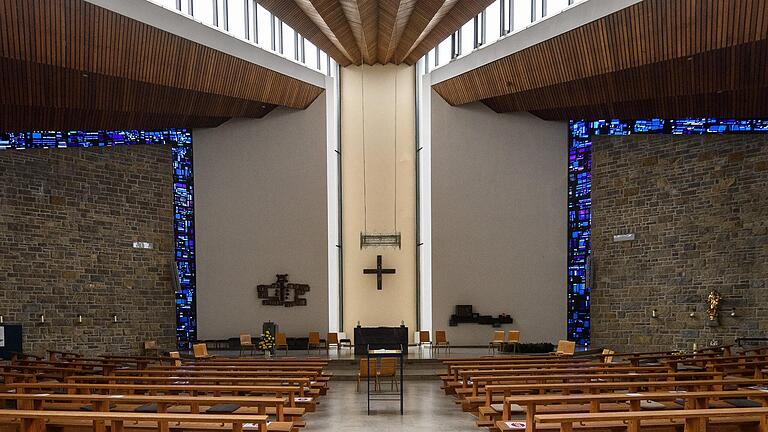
{"x": 267, "y": 341}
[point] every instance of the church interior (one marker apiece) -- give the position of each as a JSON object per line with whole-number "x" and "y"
{"x": 383, "y": 215}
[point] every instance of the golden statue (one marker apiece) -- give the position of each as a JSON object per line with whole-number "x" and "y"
{"x": 713, "y": 305}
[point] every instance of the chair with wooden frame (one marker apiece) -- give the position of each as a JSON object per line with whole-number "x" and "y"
{"x": 367, "y": 371}
{"x": 499, "y": 339}
{"x": 344, "y": 341}
{"x": 246, "y": 343}
{"x": 565, "y": 348}
{"x": 150, "y": 348}
{"x": 200, "y": 351}
{"x": 332, "y": 339}
{"x": 424, "y": 338}
{"x": 441, "y": 341}
{"x": 176, "y": 358}
{"x": 389, "y": 370}
{"x": 314, "y": 342}
{"x": 608, "y": 355}
{"x": 281, "y": 342}
{"x": 514, "y": 339}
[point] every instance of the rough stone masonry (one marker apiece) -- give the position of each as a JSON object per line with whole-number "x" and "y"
{"x": 698, "y": 206}
{"x": 68, "y": 220}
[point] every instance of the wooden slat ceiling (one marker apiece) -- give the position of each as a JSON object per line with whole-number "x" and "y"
{"x": 663, "y": 58}
{"x": 375, "y": 31}
{"x": 71, "y": 64}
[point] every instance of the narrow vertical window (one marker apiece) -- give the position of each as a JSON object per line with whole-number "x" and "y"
{"x": 247, "y": 19}
{"x": 215, "y": 4}
{"x": 225, "y": 14}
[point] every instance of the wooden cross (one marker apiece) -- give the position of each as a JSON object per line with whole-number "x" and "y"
{"x": 378, "y": 271}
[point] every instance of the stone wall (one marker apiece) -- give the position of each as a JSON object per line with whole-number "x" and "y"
{"x": 68, "y": 220}
{"x": 699, "y": 209}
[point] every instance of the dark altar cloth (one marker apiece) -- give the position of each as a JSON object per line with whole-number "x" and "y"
{"x": 380, "y": 338}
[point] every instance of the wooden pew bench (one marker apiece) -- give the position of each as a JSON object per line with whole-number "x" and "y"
{"x": 311, "y": 385}
{"x": 532, "y": 404}
{"x": 477, "y": 383}
{"x": 285, "y": 417}
{"x": 541, "y": 372}
{"x": 293, "y": 393}
{"x": 317, "y": 381}
{"x": 38, "y": 421}
{"x": 490, "y": 405}
{"x": 693, "y": 420}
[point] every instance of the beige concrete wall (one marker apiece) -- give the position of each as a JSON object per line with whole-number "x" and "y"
{"x": 377, "y": 105}
{"x": 499, "y": 207}
{"x": 260, "y": 209}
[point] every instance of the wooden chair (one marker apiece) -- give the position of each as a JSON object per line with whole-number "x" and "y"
{"x": 608, "y": 355}
{"x": 514, "y": 339}
{"x": 314, "y": 342}
{"x": 281, "y": 342}
{"x": 332, "y": 339}
{"x": 441, "y": 341}
{"x": 365, "y": 371}
{"x": 176, "y": 358}
{"x": 150, "y": 348}
{"x": 424, "y": 338}
{"x": 499, "y": 339}
{"x": 565, "y": 348}
{"x": 200, "y": 351}
{"x": 389, "y": 371}
{"x": 246, "y": 343}
{"x": 344, "y": 341}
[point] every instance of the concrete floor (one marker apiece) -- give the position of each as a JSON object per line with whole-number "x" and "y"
{"x": 426, "y": 408}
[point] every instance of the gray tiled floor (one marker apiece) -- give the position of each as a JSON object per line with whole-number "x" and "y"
{"x": 426, "y": 408}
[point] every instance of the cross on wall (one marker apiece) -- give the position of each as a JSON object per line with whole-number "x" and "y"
{"x": 379, "y": 271}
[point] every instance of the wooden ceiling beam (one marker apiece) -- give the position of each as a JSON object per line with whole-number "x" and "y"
{"x": 329, "y": 17}
{"x": 725, "y": 70}
{"x": 80, "y": 36}
{"x": 38, "y": 85}
{"x": 461, "y": 12}
{"x": 293, "y": 15}
{"x": 393, "y": 18}
{"x": 425, "y": 16}
{"x": 652, "y": 32}
{"x": 363, "y": 17}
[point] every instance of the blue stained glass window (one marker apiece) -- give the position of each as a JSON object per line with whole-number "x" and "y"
{"x": 180, "y": 141}
{"x": 580, "y": 192}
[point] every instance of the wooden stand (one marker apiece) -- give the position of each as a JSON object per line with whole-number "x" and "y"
{"x": 381, "y": 396}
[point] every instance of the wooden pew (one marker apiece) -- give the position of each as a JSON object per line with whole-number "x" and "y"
{"x": 37, "y": 421}
{"x": 451, "y": 385}
{"x": 693, "y": 420}
{"x": 547, "y": 382}
{"x": 293, "y": 393}
{"x": 304, "y": 382}
{"x": 192, "y": 404}
{"x": 317, "y": 380}
{"x": 592, "y": 402}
